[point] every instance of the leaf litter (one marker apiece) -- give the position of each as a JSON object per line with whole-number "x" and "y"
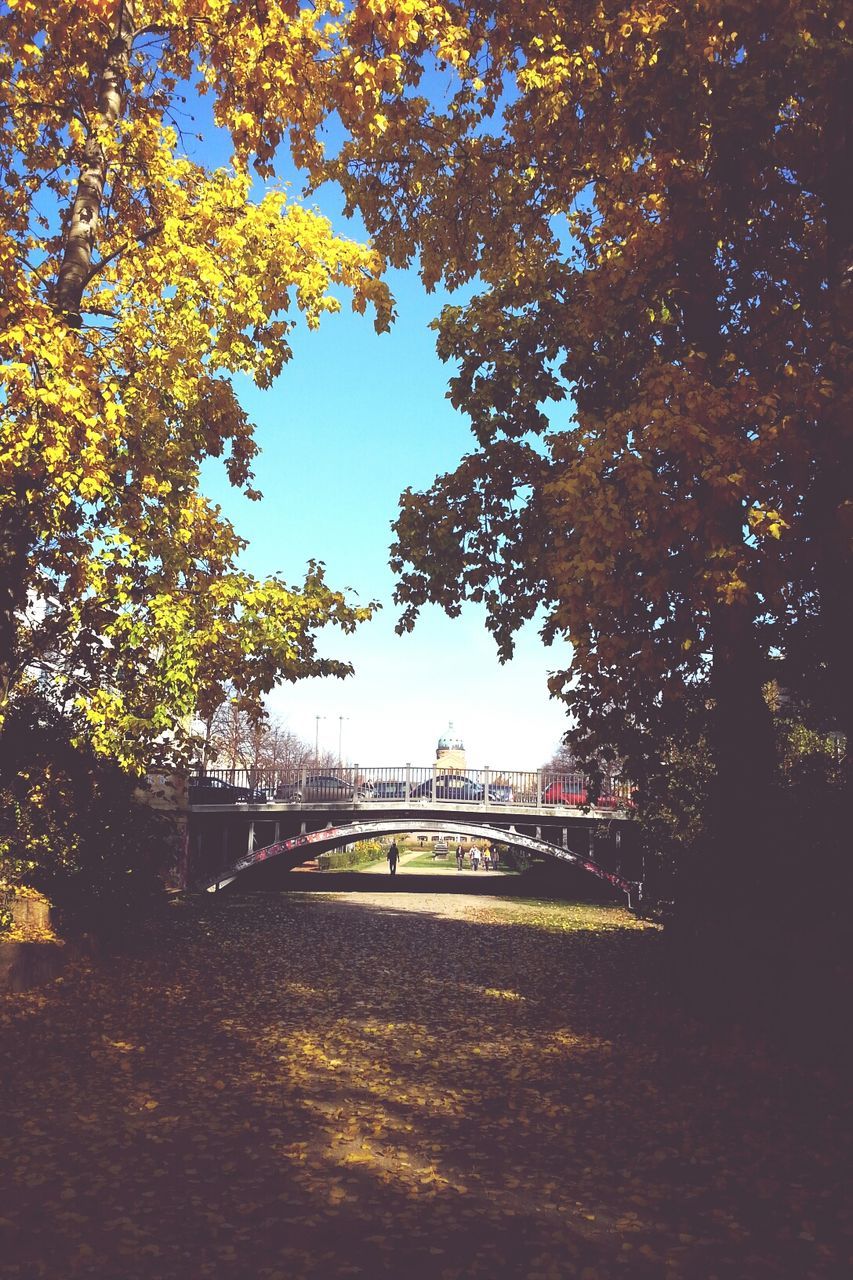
{"x": 405, "y": 1085}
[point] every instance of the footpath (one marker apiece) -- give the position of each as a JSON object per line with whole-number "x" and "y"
{"x": 412, "y": 855}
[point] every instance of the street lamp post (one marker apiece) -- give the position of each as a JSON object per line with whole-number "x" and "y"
{"x": 341, "y": 720}
{"x": 317, "y": 720}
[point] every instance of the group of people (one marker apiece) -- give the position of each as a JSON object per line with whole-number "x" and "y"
{"x": 488, "y": 857}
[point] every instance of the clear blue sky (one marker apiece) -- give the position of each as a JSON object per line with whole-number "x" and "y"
{"x": 354, "y": 419}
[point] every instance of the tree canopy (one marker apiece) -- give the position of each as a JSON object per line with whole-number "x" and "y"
{"x": 654, "y": 203}
{"x": 134, "y": 283}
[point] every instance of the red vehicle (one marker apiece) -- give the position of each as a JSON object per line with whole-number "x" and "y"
{"x": 572, "y": 792}
{"x": 565, "y": 791}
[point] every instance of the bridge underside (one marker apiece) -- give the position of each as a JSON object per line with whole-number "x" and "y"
{"x": 294, "y": 849}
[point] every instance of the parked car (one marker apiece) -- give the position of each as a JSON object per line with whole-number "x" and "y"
{"x": 450, "y": 786}
{"x": 568, "y": 792}
{"x": 501, "y": 793}
{"x": 318, "y": 786}
{"x": 565, "y": 791}
{"x": 615, "y": 800}
{"x": 440, "y": 849}
{"x": 387, "y": 789}
{"x": 204, "y": 789}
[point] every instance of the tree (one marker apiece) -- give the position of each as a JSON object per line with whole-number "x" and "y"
{"x": 134, "y": 282}
{"x": 563, "y": 760}
{"x": 237, "y": 741}
{"x": 73, "y": 823}
{"x": 653, "y": 207}
{"x": 282, "y": 750}
{"x": 230, "y": 737}
{"x": 657, "y": 202}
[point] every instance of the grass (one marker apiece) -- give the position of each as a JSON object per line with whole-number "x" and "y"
{"x": 447, "y": 863}
{"x": 556, "y": 916}
{"x": 425, "y": 859}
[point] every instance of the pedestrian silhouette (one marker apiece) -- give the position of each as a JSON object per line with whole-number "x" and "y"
{"x": 393, "y": 856}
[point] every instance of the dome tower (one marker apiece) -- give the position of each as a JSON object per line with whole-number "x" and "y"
{"x": 450, "y": 752}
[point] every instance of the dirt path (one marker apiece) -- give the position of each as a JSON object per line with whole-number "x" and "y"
{"x": 402, "y": 1085}
{"x": 381, "y": 867}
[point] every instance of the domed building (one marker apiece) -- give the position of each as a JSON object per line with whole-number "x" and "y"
{"x": 450, "y": 752}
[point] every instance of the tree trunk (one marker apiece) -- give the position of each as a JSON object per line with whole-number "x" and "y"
{"x": 724, "y": 933}
{"x": 833, "y": 497}
{"x": 832, "y": 525}
{"x": 80, "y": 240}
{"x": 838, "y": 202}
{"x": 741, "y": 727}
{"x": 16, "y": 541}
{"x": 16, "y": 536}
{"x": 741, "y": 724}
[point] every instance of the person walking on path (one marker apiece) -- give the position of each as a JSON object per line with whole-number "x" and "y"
{"x": 475, "y": 859}
{"x": 459, "y": 857}
{"x": 393, "y": 857}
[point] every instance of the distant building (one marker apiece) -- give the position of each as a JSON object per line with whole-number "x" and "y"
{"x": 450, "y": 752}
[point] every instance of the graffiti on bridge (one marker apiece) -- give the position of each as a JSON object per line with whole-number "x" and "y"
{"x": 353, "y": 832}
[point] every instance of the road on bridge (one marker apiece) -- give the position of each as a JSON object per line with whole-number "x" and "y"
{"x": 425, "y": 1086}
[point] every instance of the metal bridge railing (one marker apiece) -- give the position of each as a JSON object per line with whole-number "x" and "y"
{"x": 409, "y": 785}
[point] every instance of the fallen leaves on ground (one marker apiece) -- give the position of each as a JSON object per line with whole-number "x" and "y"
{"x": 404, "y": 1085}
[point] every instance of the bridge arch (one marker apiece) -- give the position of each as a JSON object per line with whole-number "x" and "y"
{"x": 334, "y": 836}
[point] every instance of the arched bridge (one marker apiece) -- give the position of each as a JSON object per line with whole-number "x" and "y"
{"x": 238, "y": 820}
{"x": 330, "y": 837}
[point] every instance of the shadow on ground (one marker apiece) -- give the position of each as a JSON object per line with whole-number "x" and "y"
{"x": 571, "y": 883}
{"x": 304, "y": 1086}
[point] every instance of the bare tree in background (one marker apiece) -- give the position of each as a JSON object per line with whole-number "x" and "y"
{"x": 563, "y": 760}
{"x": 228, "y": 738}
{"x": 233, "y": 740}
{"x": 279, "y": 749}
